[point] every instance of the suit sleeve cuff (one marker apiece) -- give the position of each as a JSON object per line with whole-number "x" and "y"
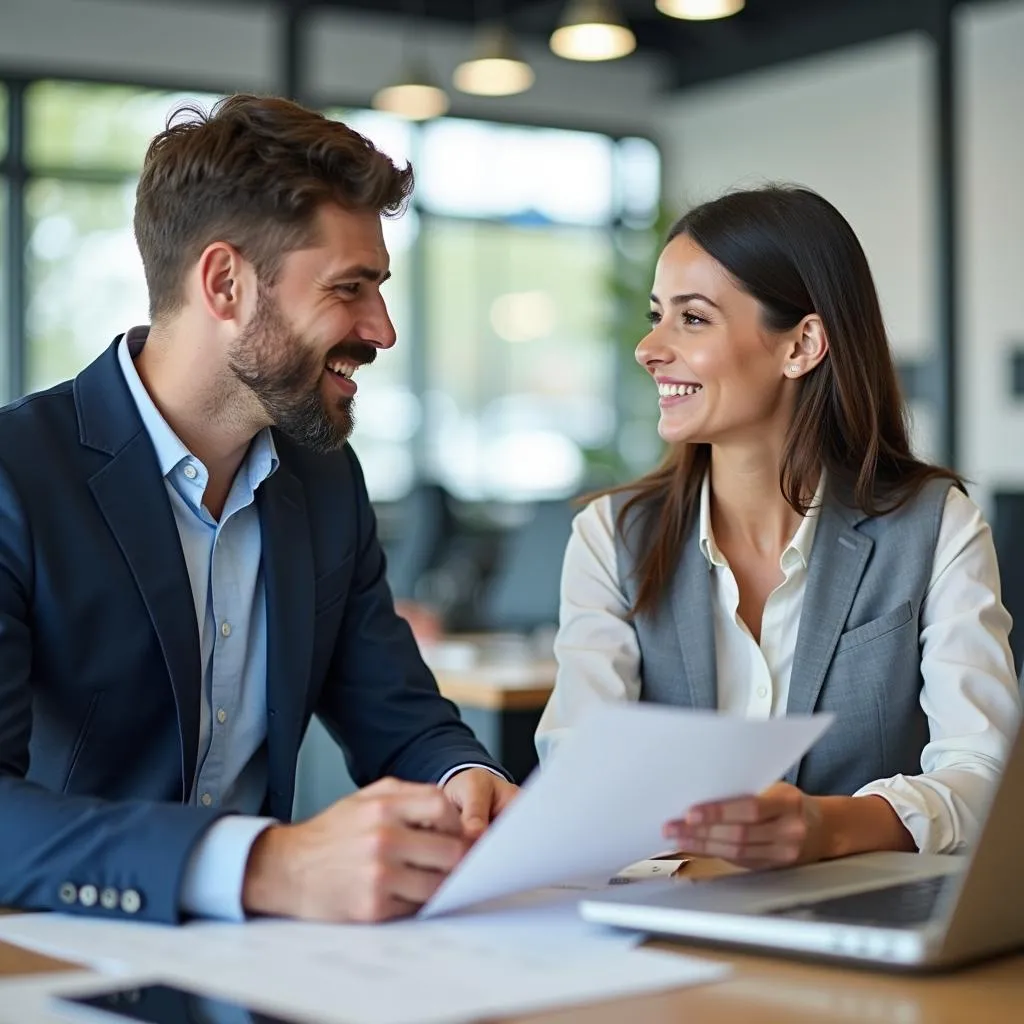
{"x": 212, "y": 884}
{"x": 443, "y": 781}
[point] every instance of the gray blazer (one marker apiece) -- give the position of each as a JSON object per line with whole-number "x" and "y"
{"x": 858, "y": 649}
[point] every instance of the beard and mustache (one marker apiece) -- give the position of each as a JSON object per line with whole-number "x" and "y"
{"x": 284, "y": 372}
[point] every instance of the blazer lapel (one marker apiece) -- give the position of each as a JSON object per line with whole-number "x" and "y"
{"x": 289, "y": 576}
{"x": 691, "y": 609}
{"x": 132, "y": 497}
{"x": 838, "y": 559}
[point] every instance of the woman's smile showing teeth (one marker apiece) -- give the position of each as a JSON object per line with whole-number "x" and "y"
{"x": 671, "y": 392}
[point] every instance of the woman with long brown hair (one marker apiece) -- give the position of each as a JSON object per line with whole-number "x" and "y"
{"x": 792, "y": 554}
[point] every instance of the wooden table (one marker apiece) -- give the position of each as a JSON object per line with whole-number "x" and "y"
{"x": 770, "y": 990}
{"x": 504, "y": 715}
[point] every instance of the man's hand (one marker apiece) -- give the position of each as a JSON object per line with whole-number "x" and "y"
{"x": 782, "y": 826}
{"x": 378, "y": 854}
{"x": 480, "y": 796}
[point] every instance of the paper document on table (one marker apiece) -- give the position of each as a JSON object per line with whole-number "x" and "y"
{"x": 602, "y": 801}
{"x": 519, "y": 955}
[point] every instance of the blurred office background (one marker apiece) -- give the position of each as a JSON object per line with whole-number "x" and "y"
{"x": 520, "y": 273}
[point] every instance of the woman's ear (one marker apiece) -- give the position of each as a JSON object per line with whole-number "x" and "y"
{"x": 808, "y": 348}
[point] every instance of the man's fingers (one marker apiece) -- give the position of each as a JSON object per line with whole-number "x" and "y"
{"x": 413, "y": 886}
{"x": 476, "y": 810}
{"x": 417, "y": 805}
{"x": 419, "y": 848}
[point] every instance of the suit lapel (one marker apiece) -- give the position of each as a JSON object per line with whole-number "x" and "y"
{"x": 289, "y": 576}
{"x": 691, "y": 609}
{"x": 838, "y": 559}
{"x": 132, "y": 496}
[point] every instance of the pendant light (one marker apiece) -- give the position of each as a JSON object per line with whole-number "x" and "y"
{"x": 416, "y": 96}
{"x": 592, "y": 30}
{"x": 495, "y": 69}
{"x": 699, "y": 10}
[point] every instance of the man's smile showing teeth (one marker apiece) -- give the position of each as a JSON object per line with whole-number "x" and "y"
{"x": 343, "y": 368}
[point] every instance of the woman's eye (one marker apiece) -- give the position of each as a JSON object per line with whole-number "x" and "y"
{"x": 693, "y": 319}
{"x": 653, "y": 318}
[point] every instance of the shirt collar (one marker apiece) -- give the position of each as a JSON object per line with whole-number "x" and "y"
{"x": 797, "y": 553}
{"x": 260, "y": 461}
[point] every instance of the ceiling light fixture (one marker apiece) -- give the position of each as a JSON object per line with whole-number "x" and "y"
{"x": 495, "y": 69}
{"x": 414, "y": 96}
{"x": 592, "y": 30}
{"x": 700, "y": 10}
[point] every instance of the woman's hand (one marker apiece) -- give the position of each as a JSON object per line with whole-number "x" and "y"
{"x": 784, "y": 826}
{"x": 780, "y": 827}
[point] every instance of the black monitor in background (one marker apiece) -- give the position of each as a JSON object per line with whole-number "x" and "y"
{"x": 1008, "y": 535}
{"x": 522, "y": 593}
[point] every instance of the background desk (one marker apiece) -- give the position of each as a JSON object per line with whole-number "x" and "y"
{"x": 503, "y": 716}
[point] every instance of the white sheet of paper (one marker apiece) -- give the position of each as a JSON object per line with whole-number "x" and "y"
{"x": 602, "y": 801}
{"x": 519, "y": 955}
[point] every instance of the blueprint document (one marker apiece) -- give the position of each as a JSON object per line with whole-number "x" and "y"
{"x": 616, "y": 779}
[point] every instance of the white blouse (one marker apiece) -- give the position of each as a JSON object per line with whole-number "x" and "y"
{"x": 970, "y": 692}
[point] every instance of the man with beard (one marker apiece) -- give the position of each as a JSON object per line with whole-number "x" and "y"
{"x": 189, "y": 566}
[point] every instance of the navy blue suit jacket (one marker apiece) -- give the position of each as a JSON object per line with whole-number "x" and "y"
{"x": 99, "y": 649}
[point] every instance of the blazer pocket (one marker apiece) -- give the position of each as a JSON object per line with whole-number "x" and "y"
{"x": 332, "y": 587}
{"x": 876, "y": 627}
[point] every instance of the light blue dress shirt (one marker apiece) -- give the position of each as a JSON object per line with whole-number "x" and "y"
{"x": 224, "y": 560}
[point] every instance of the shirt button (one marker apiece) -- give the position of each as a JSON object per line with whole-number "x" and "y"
{"x": 88, "y": 895}
{"x": 68, "y": 893}
{"x": 225, "y": 629}
{"x": 110, "y": 898}
{"x": 206, "y": 799}
{"x": 190, "y": 471}
{"x": 222, "y": 715}
{"x": 131, "y": 901}
{"x": 762, "y": 691}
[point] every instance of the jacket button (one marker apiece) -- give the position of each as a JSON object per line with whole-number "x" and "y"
{"x": 110, "y": 898}
{"x": 67, "y": 893}
{"x": 131, "y": 901}
{"x": 87, "y": 895}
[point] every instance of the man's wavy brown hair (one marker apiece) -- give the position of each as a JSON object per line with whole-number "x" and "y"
{"x": 253, "y": 172}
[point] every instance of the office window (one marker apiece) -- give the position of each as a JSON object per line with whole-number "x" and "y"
{"x": 84, "y": 146}
{"x": 520, "y": 372}
{"x": 388, "y": 410}
{"x": 528, "y": 175}
{"x": 85, "y": 279}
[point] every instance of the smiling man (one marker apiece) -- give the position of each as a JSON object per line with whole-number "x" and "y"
{"x": 189, "y": 566}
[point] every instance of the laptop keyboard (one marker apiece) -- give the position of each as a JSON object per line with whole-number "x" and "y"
{"x": 896, "y": 906}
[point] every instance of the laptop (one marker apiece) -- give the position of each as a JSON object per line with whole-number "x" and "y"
{"x": 896, "y": 910}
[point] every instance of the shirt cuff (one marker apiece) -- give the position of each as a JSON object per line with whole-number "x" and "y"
{"x": 914, "y": 809}
{"x": 212, "y": 884}
{"x": 443, "y": 781}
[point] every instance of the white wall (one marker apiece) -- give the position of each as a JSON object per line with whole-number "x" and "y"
{"x": 992, "y": 257}
{"x": 234, "y": 46}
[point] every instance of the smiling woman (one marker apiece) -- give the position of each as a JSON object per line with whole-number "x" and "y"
{"x": 792, "y": 554}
